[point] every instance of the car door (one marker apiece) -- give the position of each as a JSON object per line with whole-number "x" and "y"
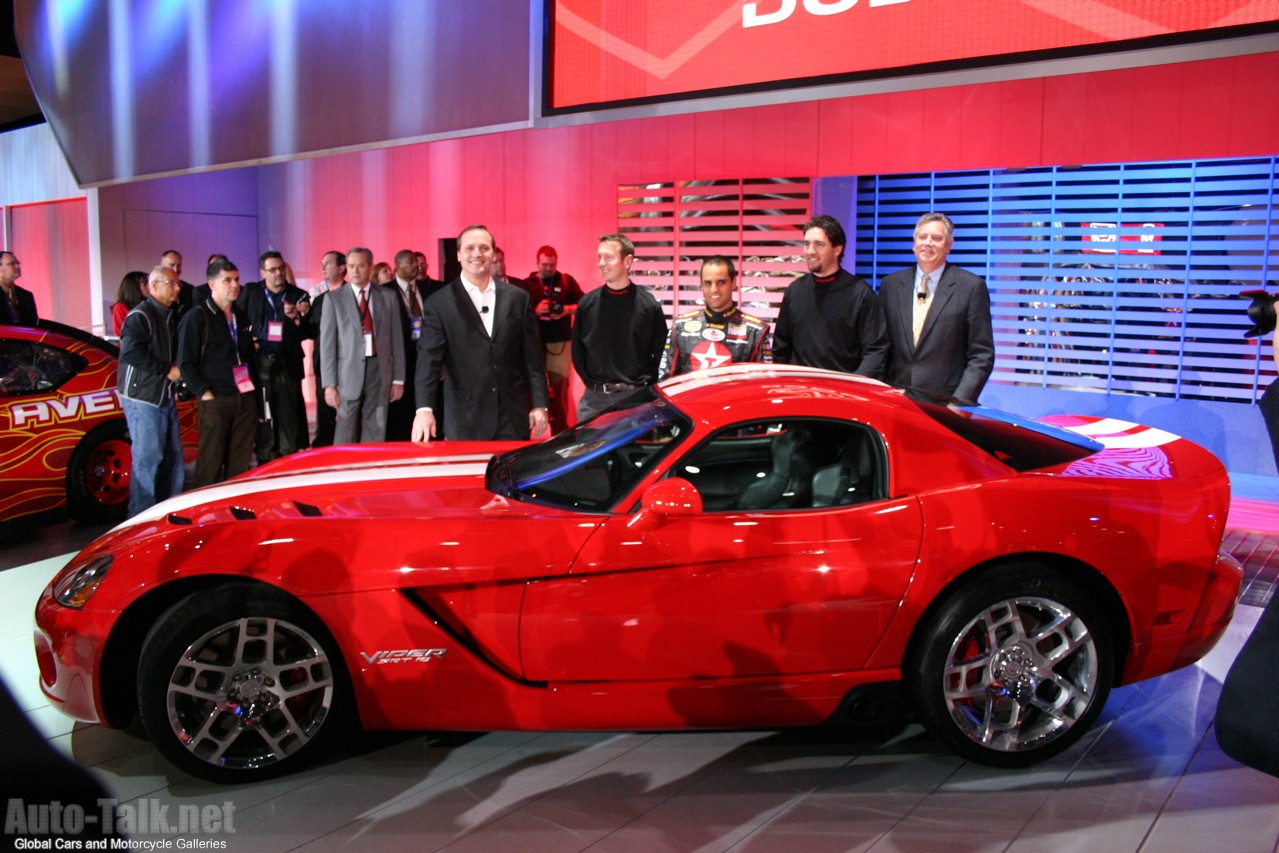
{"x": 779, "y": 578}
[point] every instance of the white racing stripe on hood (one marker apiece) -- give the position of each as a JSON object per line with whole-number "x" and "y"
{"x": 301, "y": 482}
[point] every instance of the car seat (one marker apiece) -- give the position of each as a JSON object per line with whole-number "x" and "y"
{"x": 789, "y": 482}
{"x": 848, "y": 480}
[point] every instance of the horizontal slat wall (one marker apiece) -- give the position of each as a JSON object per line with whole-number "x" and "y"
{"x": 1119, "y": 278}
{"x": 755, "y": 222}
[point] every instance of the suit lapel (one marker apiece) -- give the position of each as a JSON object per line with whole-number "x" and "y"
{"x": 466, "y": 308}
{"x": 501, "y": 301}
{"x": 906, "y": 308}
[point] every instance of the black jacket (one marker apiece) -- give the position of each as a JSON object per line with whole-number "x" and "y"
{"x": 26, "y": 306}
{"x": 207, "y": 355}
{"x": 253, "y": 300}
{"x": 148, "y": 348}
{"x": 490, "y": 383}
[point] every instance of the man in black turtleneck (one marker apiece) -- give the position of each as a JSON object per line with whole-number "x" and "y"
{"x": 619, "y": 333}
{"x": 830, "y": 318}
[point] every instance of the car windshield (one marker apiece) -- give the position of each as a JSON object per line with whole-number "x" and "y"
{"x": 1020, "y": 443}
{"x": 593, "y": 465}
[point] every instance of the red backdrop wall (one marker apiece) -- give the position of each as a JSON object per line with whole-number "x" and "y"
{"x": 558, "y": 185}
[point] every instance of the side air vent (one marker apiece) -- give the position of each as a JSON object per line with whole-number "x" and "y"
{"x": 309, "y": 510}
{"x": 242, "y": 514}
{"x": 174, "y": 518}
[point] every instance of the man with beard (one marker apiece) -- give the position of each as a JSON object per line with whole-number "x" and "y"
{"x": 830, "y": 318}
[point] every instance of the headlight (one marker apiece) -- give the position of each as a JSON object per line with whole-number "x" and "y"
{"x": 77, "y": 583}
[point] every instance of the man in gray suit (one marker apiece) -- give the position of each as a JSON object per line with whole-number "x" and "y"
{"x": 361, "y": 353}
{"x": 480, "y": 338}
{"x": 940, "y": 344}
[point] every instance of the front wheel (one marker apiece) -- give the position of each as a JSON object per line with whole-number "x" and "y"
{"x": 1013, "y": 668}
{"x": 240, "y": 684}
{"x": 98, "y": 474}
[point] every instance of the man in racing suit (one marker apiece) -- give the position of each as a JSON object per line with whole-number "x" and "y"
{"x": 719, "y": 334}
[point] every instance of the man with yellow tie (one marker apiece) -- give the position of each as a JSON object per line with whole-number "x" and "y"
{"x": 940, "y": 343}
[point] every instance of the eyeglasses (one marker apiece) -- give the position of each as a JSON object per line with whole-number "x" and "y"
{"x": 273, "y": 270}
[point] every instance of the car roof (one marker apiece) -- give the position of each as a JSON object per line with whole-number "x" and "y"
{"x": 745, "y": 383}
{"x": 46, "y": 330}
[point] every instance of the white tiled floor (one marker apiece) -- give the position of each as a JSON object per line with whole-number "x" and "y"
{"x": 1150, "y": 777}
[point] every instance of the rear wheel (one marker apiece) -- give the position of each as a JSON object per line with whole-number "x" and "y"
{"x": 1013, "y": 668}
{"x": 240, "y": 684}
{"x": 98, "y": 474}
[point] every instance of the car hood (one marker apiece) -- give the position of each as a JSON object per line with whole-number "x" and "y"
{"x": 382, "y": 481}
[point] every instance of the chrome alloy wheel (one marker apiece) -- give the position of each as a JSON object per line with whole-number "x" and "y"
{"x": 250, "y": 692}
{"x": 1020, "y": 674}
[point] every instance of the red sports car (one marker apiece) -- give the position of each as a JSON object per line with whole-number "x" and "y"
{"x": 751, "y": 546}
{"x": 63, "y": 438}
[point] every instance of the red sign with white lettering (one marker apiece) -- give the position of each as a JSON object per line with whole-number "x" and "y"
{"x": 605, "y": 51}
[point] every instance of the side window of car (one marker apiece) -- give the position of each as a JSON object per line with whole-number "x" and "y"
{"x": 27, "y": 367}
{"x": 804, "y": 463}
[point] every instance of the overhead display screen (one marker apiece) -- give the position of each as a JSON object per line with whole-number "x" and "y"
{"x": 611, "y": 52}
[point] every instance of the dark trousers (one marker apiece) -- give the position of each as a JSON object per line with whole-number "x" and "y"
{"x": 326, "y": 417}
{"x": 226, "y": 437}
{"x": 284, "y": 432}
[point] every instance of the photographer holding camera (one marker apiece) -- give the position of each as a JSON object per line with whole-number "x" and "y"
{"x": 555, "y": 296}
{"x": 146, "y": 384}
{"x": 1262, "y": 314}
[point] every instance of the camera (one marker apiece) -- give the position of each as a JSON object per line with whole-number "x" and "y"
{"x": 1261, "y": 312}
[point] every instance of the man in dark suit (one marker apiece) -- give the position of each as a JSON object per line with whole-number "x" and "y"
{"x": 940, "y": 343}
{"x": 361, "y": 352}
{"x": 333, "y": 266}
{"x": 482, "y": 335}
{"x": 17, "y": 305}
{"x": 412, "y": 292}
{"x": 188, "y": 295}
{"x": 278, "y": 312}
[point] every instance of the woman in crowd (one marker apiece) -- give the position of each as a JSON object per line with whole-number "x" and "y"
{"x": 382, "y": 273}
{"x": 132, "y": 290}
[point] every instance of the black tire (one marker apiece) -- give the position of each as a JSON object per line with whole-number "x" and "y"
{"x": 98, "y": 474}
{"x": 212, "y": 680}
{"x": 1013, "y": 668}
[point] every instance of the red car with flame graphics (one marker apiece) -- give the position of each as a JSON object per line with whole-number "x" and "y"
{"x": 63, "y": 438}
{"x": 748, "y": 546}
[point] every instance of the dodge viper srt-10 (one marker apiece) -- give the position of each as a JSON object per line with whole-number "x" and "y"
{"x": 748, "y": 546}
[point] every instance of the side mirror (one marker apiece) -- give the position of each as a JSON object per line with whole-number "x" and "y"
{"x": 673, "y": 497}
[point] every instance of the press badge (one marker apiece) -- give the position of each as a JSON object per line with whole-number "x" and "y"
{"x": 275, "y": 331}
{"x": 417, "y": 328}
{"x": 368, "y": 344}
{"x": 242, "y": 381}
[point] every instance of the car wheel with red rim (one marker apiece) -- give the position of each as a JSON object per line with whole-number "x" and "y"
{"x": 98, "y": 474}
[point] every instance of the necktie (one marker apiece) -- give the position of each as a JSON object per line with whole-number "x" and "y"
{"x": 922, "y": 300}
{"x": 415, "y": 307}
{"x": 366, "y": 317}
